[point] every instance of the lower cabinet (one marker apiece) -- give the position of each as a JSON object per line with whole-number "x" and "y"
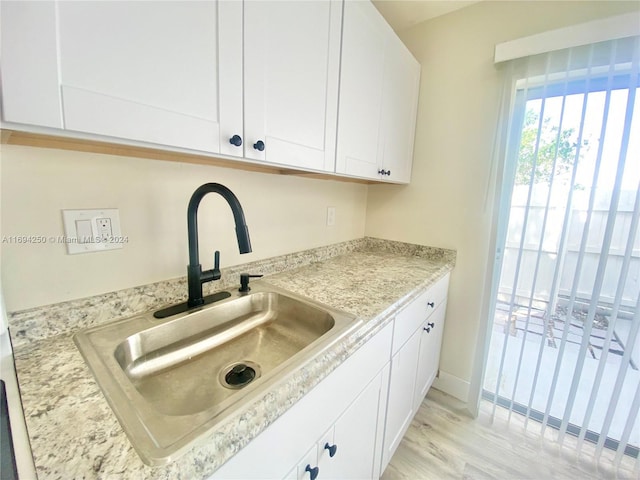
{"x": 400, "y": 407}
{"x": 346, "y": 410}
{"x": 429, "y": 354}
{"x": 348, "y": 450}
{"x": 414, "y": 363}
{"x": 350, "y": 424}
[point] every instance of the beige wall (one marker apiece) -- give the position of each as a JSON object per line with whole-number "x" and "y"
{"x": 284, "y": 214}
{"x": 449, "y": 201}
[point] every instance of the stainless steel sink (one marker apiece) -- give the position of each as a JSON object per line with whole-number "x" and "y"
{"x": 170, "y": 381}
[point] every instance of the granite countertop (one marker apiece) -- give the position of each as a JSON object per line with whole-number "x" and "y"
{"x": 74, "y": 433}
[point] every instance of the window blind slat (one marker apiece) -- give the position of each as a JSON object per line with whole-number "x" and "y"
{"x": 613, "y": 318}
{"x": 626, "y": 434}
{"x": 615, "y": 395}
{"x": 604, "y": 257}
{"x": 519, "y": 261}
{"x": 539, "y": 251}
{"x": 578, "y": 268}
{"x": 624, "y": 271}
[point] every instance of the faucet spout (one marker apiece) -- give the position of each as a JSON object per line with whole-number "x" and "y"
{"x": 195, "y": 276}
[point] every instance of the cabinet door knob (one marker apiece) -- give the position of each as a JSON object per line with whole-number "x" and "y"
{"x": 332, "y": 449}
{"x": 313, "y": 472}
{"x": 381, "y": 172}
{"x": 431, "y": 324}
{"x": 236, "y": 140}
{"x": 388, "y": 172}
{"x": 431, "y": 304}
{"x": 427, "y": 329}
{"x": 259, "y": 145}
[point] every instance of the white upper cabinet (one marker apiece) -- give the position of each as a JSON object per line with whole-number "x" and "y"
{"x": 291, "y": 75}
{"x": 317, "y": 85}
{"x": 28, "y": 49}
{"x": 379, "y": 85}
{"x": 168, "y": 73}
{"x": 143, "y": 71}
{"x": 399, "y": 110}
{"x": 361, "y": 82}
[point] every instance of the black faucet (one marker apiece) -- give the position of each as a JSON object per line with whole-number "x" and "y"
{"x": 195, "y": 276}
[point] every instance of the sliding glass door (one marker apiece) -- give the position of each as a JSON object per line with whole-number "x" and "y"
{"x": 565, "y": 347}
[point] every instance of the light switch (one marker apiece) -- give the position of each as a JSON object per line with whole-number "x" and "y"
{"x": 331, "y": 216}
{"x": 92, "y": 230}
{"x": 83, "y": 231}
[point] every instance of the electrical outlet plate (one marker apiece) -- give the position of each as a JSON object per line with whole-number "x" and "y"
{"x": 92, "y": 230}
{"x": 331, "y": 216}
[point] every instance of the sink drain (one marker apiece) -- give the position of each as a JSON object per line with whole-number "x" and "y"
{"x": 238, "y": 375}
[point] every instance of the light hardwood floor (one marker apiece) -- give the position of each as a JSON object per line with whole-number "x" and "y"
{"x": 444, "y": 442}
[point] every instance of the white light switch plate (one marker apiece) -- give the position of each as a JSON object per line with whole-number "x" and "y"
{"x": 331, "y": 216}
{"x": 92, "y": 230}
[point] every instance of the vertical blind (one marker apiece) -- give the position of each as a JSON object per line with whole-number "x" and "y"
{"x": 568, "y": 248}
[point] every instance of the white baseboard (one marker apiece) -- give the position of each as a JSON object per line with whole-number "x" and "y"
{"x": 452, "y": 385}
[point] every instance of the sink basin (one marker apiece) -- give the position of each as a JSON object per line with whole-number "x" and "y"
{"x": 170, "y": 381}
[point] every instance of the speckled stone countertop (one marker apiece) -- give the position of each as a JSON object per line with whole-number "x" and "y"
{"x": 74, "y": 433}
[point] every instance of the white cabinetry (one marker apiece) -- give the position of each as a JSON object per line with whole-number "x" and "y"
{"x": 348, "y": 450}
{"x": 414, "y": 364}
{"x": 429, "y": 356}
{"x": 379, "y": 84}
{"x": 142, "y": 71}
{"x": 327, "y": 414}
{"x": 291, "y": 83}
{"x": 399, "y": 110}
{"x": 354, "y": 437}
{"x": 291, "y": 74}
{"x": 186, "y": 74}
{"x": 30, "y": 88}
{"x": 361, "y": 82}
{"x": 400, "y": 408}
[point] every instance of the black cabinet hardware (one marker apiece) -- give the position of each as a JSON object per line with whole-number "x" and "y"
{"x": 313, "y": 472}
{"x": 332, "y": 449}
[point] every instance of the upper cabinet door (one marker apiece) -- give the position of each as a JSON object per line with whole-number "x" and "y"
{"x": 379, "y": 84}
{"x": 291, "y": 76}
{"x": 361, "y": 86}
{"x": 28, "y": 49}
{"x": 147, "y": 71}
{"x": 399, "y": 109}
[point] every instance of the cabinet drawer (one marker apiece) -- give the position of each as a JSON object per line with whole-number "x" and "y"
{"x": 414, "y": 314}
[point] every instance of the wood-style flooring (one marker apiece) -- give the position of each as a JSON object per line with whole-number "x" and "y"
{"x": 444, "y": 442}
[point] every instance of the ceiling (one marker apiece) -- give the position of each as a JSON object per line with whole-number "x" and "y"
{"x": 402, "y": 14}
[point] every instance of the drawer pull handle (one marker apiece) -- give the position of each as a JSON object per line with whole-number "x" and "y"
{"x": 332, "y": 449}
{"x": 431, "y": 304}
{"x": 313, "y": 472}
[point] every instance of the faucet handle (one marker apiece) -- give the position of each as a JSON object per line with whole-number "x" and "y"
{"x": 216, "y": 260}
{"x": 244, "y": 281}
